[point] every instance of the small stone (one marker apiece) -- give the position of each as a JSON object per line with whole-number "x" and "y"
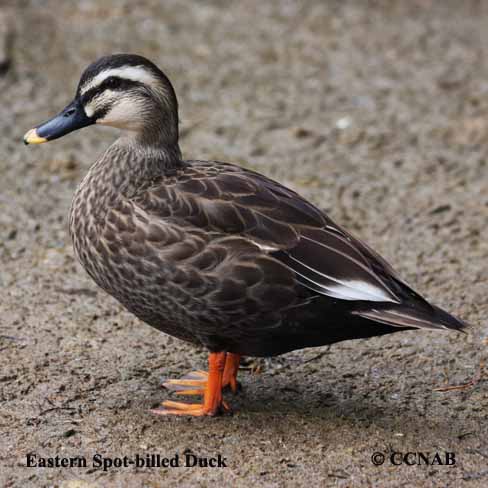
{"x": 343, "y": 123}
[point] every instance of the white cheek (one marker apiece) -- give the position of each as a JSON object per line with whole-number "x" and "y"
{"x": 124, "y": 114}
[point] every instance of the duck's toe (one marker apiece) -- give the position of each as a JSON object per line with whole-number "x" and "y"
{"x": 193, "y": 383}
{"x": 191, "y": 409}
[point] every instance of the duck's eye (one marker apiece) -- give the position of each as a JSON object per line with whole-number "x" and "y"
{"x": 113, "y": 82}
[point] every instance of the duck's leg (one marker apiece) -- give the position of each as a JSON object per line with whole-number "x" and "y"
{"x": 231, "y": 369}
{"x": 212, "y": 395}
{"x": 194, "y": 383}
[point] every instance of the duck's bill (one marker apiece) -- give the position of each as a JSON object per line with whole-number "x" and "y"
{"x": 73, "y": 117}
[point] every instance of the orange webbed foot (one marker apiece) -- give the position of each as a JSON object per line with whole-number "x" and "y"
{"x": 194, "y": 383}
{"x": 198, "y": 383}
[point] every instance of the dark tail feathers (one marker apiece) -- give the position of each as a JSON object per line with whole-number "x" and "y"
{"x": 428, "y": 317}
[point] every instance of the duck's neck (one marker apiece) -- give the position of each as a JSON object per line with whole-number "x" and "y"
{"x": 148, "y": 158}
{"x": 138, "y": 160}
{"x": 126, "y": 168}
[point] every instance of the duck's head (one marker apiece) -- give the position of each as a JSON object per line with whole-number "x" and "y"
{"x": 126, "y": 91}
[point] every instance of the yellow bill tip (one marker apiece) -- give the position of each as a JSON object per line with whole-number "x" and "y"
{"x": 31, "y": 137}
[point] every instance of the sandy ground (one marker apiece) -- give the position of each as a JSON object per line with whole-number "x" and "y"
{"x": 377, "y": 112}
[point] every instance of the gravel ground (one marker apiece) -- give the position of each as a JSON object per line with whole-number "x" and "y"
{"x": 377, "y": 112}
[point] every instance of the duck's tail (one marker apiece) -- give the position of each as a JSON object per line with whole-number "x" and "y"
{"x": 403, "y": 315}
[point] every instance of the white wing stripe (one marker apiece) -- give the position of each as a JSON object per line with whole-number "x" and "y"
{"x": 347, "y": 256}
{"x": 348, "y": 290}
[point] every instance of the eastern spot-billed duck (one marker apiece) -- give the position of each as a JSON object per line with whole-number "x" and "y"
{"x": 212, "y": 253}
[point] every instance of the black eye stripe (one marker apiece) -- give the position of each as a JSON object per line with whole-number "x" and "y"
{"x": 110, "y": 83}
{"x": 89, "y": 95}
{"x": 114, "y": 82}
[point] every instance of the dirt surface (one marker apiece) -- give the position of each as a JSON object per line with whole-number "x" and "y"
{"x": 377, "y": 112}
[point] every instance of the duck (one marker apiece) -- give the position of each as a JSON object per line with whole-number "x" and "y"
{"x": 212, "y": 253}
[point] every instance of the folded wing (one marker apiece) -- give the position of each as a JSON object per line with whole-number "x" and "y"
{"x": 226, "y": 199}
